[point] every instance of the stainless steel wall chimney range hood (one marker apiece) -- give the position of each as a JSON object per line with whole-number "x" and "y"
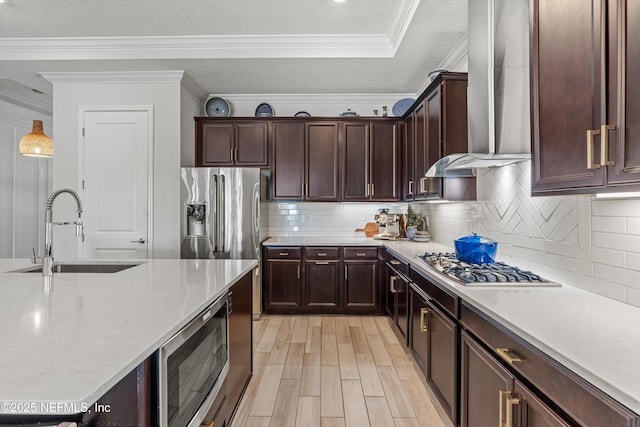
{"x": 498, "y": 89}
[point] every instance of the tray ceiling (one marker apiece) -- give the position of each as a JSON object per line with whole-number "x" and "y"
{"x": 233, "y": 46}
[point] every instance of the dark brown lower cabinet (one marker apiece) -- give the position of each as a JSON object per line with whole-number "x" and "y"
{"x": 282, "y": 285}
{"x": 240, "y": 341}
{"x": 490, "y": 395}
{"x": 434, "y": 344}
{"x": 397, "y": 300}
{"x": 322, "y": 280}
{"x": 322, "y": 285}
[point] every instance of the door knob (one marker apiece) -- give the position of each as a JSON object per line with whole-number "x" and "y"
{"x": 140, "y": 240}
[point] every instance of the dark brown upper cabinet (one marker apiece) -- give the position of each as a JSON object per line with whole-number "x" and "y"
{"x": 231, "y": 142}
{"x": 370, "y": 169}
{"x": 305, "y": 163}
{"x": 436, "y": 126}
{"x": 585, "y": 108}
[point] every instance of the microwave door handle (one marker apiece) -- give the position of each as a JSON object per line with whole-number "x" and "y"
{"x": 222, "y": 215}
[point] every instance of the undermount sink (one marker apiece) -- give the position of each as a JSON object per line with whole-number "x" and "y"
{"x": 81, "y": 268}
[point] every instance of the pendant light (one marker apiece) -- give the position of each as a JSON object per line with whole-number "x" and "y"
{"x": 36, "y": 143}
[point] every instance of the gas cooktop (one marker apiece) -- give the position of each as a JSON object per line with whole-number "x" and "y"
{"x": 495, "y": 274}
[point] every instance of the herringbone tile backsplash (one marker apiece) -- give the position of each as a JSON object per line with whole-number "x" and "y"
{"x": 584, "y": 242}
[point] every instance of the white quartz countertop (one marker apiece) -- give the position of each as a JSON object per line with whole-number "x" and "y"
{"x": 322, "y": 241}
{"x": 67, "y": 345}
{"x": 596, "y": 337}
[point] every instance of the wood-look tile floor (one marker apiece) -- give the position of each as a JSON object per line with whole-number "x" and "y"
{"x": 328, "y": 371}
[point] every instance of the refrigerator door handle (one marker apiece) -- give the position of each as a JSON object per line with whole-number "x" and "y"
{"x": 214, "y": 212}
{"x": 222, "y": 216}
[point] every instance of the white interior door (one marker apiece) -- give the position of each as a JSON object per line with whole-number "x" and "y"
{"x": 115, "y": 184}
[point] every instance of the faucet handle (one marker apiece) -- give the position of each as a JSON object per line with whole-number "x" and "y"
{"x": 79, "y": 229}
{"x": 33, "y": 255}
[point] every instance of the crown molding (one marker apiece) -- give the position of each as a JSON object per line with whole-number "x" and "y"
{"x": 197, "y": 47}
{"x": 382, "y": 45}
{"x": 113, "y": 77}
{"x": 23, "y": 96}
{"x": 315, "y": 98}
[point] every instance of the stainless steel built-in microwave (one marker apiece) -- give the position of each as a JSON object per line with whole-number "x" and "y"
{"x": 193, "y": 365}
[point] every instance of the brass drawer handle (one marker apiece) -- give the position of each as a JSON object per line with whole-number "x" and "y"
{"x": 360, "y": 254}
{"x": 322, "y": 262}
{"x": 283, "y": 253}
{"x": 590, "y": 162}
{"x": 509, "y": 356}
{"x": 396, "y": 262}
{"x": 423, "y": 324}
{"x": 424, "y": 188}
{"x": 322, "y": 254}
{"x": 604, "y": 145}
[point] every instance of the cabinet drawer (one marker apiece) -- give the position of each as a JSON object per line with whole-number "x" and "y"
{"x": 316, "y": 252}
{"x": 581, "y": 400}
{"x": 397, "y": 264}
{"x": 449, "y": 302}
{"x": 284, "y": 253}
{"x": 361, "y": 253}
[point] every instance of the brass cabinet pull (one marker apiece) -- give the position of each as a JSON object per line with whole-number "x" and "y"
{"x": 394, "y": 262}
{"x": 423, "y": 324}
{"x": 360, "y": 254}
{"x": 411, "y": 188}
{"x": 511, "y": 402}
{"x": 206, "y": 423}
{"x": 322, "y": 262}
{"x": 322, "y": 254}
{"x": 367, "y": 190}
{"x": 604, "y": 145}
{"x": 423, "y": 185}
{"x": 509, "y": 356}
{"x": 372, "y": 190}
{"x": 590, "y": 154}
{"x": 283, "y": 253}
{"x": 345, "y": 273}
{"x": 503, "y": 395}
{"x": 298, "y": 272}
{"x": 392, "y": 284}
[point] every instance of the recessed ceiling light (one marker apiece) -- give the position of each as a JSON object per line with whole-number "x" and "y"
{"x": 337, "y": 1}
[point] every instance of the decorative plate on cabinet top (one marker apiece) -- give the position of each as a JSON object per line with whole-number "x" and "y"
{"x": 217, "y": 107}
{"x": 401, "y": 107}
{"x": 264, "y": 110}
{"x": 348, "y": 113}
{"x": 302, "y": 114}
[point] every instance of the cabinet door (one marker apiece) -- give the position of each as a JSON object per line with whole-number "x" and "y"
{"x": 384, "y": 161}
{"x": 251, "y": 144}
{"x": 533, "y": 412}
{"x": 421, "y": 164}
{"x": 408, "y": 159}
{"x": 360, "y": 286}
{"x": 482, "y": 380}
{"x": 322, "y": 284}
{"x": 322, "y": 167}
{"x": 283, "y": 285}
{"x": 288, "y": 161}
{"x": 443, "y": 358}
{"x": 240, "y": 339}
{"x": 418, "y": 330}
{"x": 432, "y": 187}
{"x": 402, "y": 305}
{"x": 390, "y": 292}
{"x": 214, "y": 144}
{"x": 623, "y": 110}
{"x": 566, "y": 94}
{"x": 355, "y": 184}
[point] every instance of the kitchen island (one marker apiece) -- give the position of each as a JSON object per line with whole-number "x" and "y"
{"x": 65, "y": 344}
{"x": 590, "y": 335}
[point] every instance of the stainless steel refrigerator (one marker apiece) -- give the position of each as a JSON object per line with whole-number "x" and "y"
{"x": 220, "y": 216}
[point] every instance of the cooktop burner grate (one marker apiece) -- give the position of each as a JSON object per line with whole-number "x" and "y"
{"x": 495, "y": 274}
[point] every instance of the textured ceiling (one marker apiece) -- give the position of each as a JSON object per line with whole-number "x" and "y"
{"x": 434, "y": 29}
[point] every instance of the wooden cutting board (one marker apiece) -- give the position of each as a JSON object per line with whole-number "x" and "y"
{"x": 370, "y": 229}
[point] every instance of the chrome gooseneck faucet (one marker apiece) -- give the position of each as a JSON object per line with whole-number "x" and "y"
{"x": 47, "y": 259}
